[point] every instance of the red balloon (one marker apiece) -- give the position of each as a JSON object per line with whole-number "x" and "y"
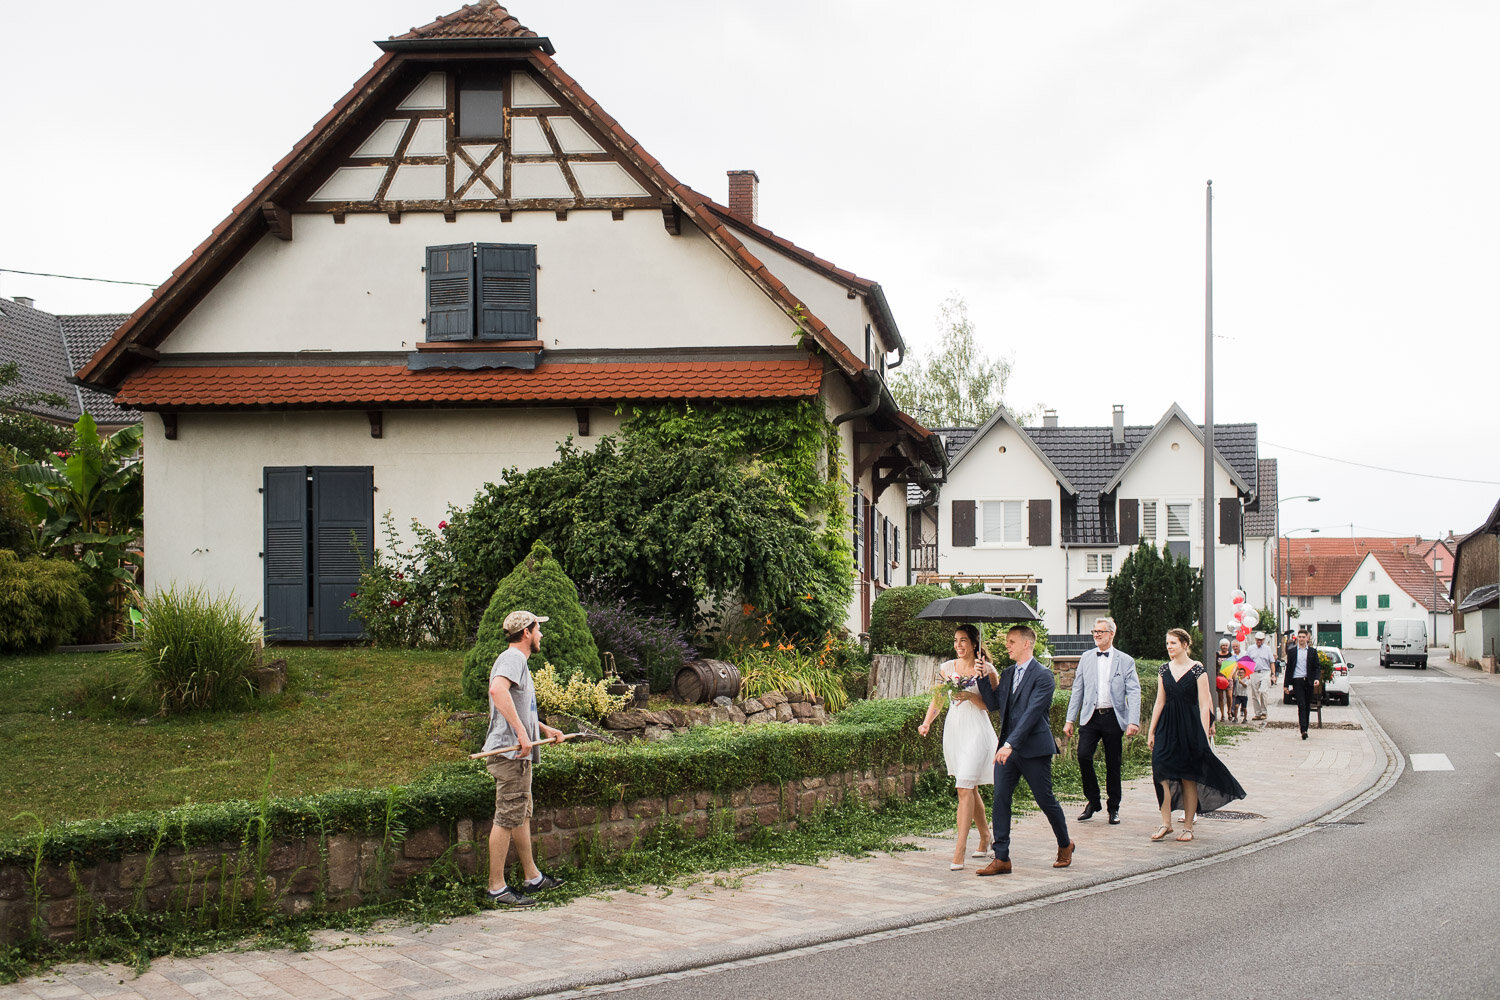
{"x": 1239, "y": 600}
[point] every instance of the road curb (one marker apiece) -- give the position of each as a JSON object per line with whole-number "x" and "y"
{"x": 1377, "y": 781}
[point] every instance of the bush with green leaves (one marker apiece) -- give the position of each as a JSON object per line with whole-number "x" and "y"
{"x": 895, "y": 627}
{"x": 539, "y": 585}
{"x": 196, "y": 650}
{"x": 42, "y": 602}
{"x": 408, "y": 597}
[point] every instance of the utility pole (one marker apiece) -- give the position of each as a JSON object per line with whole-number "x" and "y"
{"x": 1210, "y": 626}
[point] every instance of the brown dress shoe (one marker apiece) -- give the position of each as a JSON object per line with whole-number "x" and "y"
{"x": 996, "y": 867}
{"x": 1064, "y": 856}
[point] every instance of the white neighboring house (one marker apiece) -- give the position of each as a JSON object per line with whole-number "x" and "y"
{"x": 1345, "y": 589}
{"x": 466, "y": 261}
{"x": 1053, "y": 511}
{"x": 1389, "y": 585}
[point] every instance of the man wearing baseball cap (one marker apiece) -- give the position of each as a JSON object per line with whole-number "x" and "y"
{"x": 1260, "y": 681}
{"x": 513, "y": 722}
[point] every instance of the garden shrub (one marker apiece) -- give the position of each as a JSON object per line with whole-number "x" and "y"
{"x": 895, "y": 627}
{"x": 645, "y": 646}
{"x": 196, "y": 651}
{"x": 411, "y": 598}
{"x": 577, "y": 697}
{"x": 539, "y": 585}
{"x": 42, "y": 602}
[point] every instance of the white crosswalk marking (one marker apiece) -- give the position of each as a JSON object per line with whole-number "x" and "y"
{"x": 1430, "y": 762}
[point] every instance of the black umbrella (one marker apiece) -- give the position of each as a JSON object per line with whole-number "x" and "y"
{"x": 980, "y": 608}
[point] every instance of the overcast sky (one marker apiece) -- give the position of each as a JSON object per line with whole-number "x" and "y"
{"x": 1046, "y": 161}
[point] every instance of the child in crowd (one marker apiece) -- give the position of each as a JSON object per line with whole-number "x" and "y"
{"x": 1241, "y": 694}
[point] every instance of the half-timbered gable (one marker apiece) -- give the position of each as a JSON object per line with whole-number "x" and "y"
{"x": 466, "y": 261}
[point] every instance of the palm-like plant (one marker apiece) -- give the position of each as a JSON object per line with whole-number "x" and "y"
{"x": 87, "y": 505}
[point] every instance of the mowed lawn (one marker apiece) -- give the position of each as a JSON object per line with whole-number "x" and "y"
{"x": 350, "y": 718}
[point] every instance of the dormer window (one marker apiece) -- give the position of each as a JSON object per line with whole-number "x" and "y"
{"x": 481, "y": 291}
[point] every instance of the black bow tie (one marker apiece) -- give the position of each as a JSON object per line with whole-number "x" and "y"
{"x": 1101, "y": 652}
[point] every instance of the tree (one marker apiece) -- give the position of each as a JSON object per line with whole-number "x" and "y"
{"x": 959, "y": 385}
{"x": 539, "y": 585}
{"x": 1151, "y": 593}
{"x": 31, "y": 436}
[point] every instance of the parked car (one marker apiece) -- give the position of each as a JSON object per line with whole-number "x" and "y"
{"x": 1404, "y": 641}
{"x": 1336, "y": 688}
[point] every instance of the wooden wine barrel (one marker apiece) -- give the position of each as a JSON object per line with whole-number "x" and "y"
{"x": 701, "y": 681}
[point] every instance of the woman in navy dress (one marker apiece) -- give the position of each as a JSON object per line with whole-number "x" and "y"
{"x": 1183, "y": 766}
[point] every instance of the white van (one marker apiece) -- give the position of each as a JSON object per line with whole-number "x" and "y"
{"x": 1404, "y": 641}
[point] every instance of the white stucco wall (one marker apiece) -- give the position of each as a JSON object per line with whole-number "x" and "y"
{"x": 824, "y": 298}
{"x": 1371, "y": 581}
{"x": 987, "y": 473}
{"x": 359, "y": 286}
{"x": 1170, "y": 470}
{"x": 204, "y": 513}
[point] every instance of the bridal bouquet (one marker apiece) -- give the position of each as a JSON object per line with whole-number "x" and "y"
{"x": 950, "y": 686}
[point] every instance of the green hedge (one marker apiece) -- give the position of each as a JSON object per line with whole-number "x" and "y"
{"x": 871, "y": 734}
{"x": 894, "y": 625}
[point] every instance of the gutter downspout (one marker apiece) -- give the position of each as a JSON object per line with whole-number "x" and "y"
{"x": 876, "y": 385}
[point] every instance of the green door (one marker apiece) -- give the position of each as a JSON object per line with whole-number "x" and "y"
{"x": 1330, "y": 634}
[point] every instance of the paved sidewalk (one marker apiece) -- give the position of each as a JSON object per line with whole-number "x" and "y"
{"x": 623, "y": 935}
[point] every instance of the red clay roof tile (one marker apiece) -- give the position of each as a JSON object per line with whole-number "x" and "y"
{"x": 163, "y": 386}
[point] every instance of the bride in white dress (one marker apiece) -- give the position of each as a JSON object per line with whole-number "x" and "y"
{"x": 969, "y": 740}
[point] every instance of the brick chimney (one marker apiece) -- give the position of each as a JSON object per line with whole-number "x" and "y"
{"x": 1119, "y": 431}
{"x": 744, "y": 193}
{"x": 1049, "y": 418}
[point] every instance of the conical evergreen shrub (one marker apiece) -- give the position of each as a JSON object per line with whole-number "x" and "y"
{"x": 539, "y": 585}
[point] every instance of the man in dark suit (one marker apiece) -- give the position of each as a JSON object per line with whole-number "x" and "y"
{"x": 1303, "y": 676}
{"x": 1023, "y": 696}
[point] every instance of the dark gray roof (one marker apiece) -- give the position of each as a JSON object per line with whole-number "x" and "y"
{"x": 1260, "y": 513}
{"x": 1480, "y": 597}
{"x": 1094, "y": 597}
{"x": 48, "y": 349}
{"x": 1088, "y": 457}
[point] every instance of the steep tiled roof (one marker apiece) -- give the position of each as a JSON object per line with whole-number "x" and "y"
{"x": 84, "y": 335}
{"x": 1411, "y": 573}
{"x": 48, "y": 349}
{"x": 376, "y": 385}
{"x": 1319, "y": 567}
{"x": 485, "y": 19}
{"x": 1260, "y": 518}
{"x": 33, "y": 340}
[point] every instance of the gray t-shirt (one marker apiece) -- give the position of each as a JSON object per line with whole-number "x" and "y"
{"x": 511, "y": 664}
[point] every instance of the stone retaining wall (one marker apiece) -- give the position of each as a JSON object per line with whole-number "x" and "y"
{"x": 302, "y": 873}
{"x": 773, "y": 706}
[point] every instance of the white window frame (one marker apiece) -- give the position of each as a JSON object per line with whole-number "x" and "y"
{"x": 983, "y": 539}
{"x": 1148, "y": 520}
{"x": 1099, "y": 564}
{"x": 1187, "y": 521}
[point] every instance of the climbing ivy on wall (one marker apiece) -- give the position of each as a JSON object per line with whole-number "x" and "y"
{"x": 690, "y": 507}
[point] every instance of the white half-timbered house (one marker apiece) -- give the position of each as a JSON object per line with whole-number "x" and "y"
{"x": 464, "y": 262}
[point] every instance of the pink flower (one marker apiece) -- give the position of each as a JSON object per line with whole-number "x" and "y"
{"x": 397, "y": 602}
{"x": 353, "y": 595}
{"x": 442, "y": 525}
{"x": 400, "y": 577}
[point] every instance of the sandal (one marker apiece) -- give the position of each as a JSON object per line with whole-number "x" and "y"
{"x": 1185, "y": 836}
{"x": 956, "y": 866}
{"x": 1160, "y": 834}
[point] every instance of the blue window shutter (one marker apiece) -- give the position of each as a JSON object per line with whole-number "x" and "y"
{"x": 507, "y": 291}
{"x": 450, "y": 292}
{"x": 343, "y": 517}
{"x": 285, "y": 552}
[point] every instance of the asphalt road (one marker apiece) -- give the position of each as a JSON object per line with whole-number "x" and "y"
{"x": 1400, "y": 899}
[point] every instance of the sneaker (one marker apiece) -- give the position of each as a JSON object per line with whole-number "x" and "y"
{"x": 508, "y": 897}
{"x": 542, "y": 883}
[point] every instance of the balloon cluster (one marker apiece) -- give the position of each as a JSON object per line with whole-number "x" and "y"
{"x": 1242, "y": 617}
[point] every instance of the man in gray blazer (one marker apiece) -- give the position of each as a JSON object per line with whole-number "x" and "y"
{"x": 1107, "y": 696}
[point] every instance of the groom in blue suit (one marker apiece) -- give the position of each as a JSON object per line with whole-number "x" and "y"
{"x": 1022, "y": 693}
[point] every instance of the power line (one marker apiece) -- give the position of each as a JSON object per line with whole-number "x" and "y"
{"x": 74, "y": 277}
{"x": 1381, "y": 468}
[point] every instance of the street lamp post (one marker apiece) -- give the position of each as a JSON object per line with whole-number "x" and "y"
{"x": 1288, "y": 615}
{"x": 1280, "y": 593}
